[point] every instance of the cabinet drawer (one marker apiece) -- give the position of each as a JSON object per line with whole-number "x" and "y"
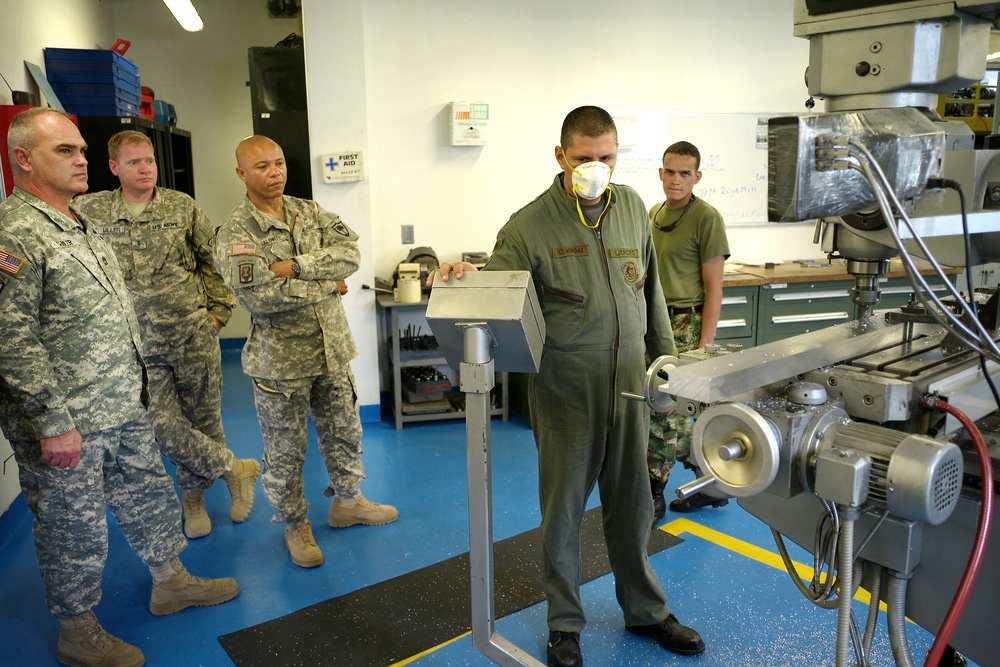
{"x": 737, "y": 318}
{"x": 792, "y": 309}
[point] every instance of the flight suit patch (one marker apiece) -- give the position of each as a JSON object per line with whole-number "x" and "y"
{"x": 631, "y": 272}
{"x": 618, "y": 253}
{"x": 570, "y": 251}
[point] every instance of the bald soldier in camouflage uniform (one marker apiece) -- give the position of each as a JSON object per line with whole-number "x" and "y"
{"x": 71, "y": 384}
{"x": 282, "y": 257}
{"x": 162, "y": 240}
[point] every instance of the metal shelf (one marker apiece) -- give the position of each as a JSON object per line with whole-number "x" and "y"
{"x": 392, "y": 360}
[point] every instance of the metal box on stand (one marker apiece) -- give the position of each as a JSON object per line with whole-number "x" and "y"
{"x": 505, "y": 301}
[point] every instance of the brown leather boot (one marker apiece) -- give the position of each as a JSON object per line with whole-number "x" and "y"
{"x": 84, "y": 643}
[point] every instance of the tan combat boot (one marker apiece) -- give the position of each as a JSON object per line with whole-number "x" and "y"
{"x": 184, "y": 590}
{"x": 196, "y": 520}
{"x": 240, "y": 480}
{"x": 302, "y": 545}
{"x": 363, "y": 511}
{"x": 84, "y": 643}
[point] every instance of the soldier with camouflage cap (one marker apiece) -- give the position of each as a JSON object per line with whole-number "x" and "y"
{"x": 162, "y": 240}
{"x": 71, "y": 399}
{"x": 283, "y": 257}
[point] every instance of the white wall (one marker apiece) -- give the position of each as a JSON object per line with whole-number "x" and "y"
{"x": 381, "y": 72}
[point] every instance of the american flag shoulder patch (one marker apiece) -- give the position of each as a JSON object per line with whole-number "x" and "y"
{"x": 244, "y": 248}
{"x": 11, "y": 264}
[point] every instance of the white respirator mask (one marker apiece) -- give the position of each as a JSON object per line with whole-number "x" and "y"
{"x": 591, "y": 179}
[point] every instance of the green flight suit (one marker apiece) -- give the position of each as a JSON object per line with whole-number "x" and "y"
{"x": 603, "y": 305}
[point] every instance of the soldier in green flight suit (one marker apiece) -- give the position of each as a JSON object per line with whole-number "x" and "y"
{"x": 587, "y": 245}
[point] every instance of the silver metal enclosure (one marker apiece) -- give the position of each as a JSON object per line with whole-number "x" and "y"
{"x": 506, "y": 301}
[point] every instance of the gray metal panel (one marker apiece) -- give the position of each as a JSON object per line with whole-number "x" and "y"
{"x": 733, "y": 374}
{"x": 505, "y": 301}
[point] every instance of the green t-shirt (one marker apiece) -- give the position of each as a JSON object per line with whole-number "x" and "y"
{"x": 699, "y": 235}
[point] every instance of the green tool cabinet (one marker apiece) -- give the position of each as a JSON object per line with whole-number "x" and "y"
{"x": 789, "y": 309}
{"x": 737, "y": 320}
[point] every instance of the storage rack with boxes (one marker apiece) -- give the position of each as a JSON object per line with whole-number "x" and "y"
{"x": 93, "y": 82}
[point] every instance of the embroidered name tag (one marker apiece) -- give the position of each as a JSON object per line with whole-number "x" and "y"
{"x": 624, "y": 252}
{"x": 9, "y": 263}
{"x": 64, "y": 243}
{"x": 157, "y": 226}
{"x": 111, "y": 229}
{"x": 570, "y": 251}
{"x": 244, "y": 249}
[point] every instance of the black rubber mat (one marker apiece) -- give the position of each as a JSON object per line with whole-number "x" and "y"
{"x": 396, "y": 619}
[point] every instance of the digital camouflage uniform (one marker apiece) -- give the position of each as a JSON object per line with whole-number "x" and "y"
{"x": 670, "y": 435}
{"x": 698, "y": 235}
{"x": 166, "y": 258}
{"x": 69, "y": 359}
{"x": 299, "y": 348}
{"x": 603, "y": 307}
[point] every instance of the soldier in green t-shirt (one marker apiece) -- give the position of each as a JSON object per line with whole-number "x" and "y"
{"x": 691, "y": 250}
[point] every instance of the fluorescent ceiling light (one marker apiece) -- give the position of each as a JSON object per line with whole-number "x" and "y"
{"x": 186, "y": 14}
{"x": 993, "y": 56}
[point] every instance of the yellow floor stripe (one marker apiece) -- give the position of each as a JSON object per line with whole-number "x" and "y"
{"x": 679, "y": 526}
{"x": 412, "y": 658}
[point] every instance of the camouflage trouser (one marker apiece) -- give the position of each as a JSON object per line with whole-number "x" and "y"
{"x": 185, "y": 392}
{"x": 670, "y": 435}
{"x": 119, "y": 468}
{"x": 283, "y": 409}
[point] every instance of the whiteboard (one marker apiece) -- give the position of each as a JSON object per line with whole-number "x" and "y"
{"x": 733, "y": 158}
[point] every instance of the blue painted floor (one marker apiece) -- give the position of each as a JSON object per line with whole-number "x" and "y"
{"x": 748, "y": 612}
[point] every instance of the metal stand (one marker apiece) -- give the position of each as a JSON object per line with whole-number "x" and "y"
{"x": 476, "y": 379}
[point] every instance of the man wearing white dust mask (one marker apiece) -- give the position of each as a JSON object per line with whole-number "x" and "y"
{"x": 588, "y": 247}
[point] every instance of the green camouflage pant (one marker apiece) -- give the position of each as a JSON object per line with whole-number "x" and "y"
{"x": 283, "y": 410}
{"x": 670, "y": 435}
{"x": 185, "y": 389}
{"x": 120, "y": 468}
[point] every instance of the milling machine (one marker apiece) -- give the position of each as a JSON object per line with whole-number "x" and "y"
{"x": 861, "y": 442}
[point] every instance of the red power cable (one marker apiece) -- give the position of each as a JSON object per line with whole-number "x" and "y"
{"x": 982, "y": 531}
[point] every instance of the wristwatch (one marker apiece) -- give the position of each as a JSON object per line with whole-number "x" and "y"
{"x": 295, "y": 267}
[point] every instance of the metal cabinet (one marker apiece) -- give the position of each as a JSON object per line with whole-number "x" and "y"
{"x": 172, "y": 147}
{"x": 789, "y": 309}
{"x": 738, "y": 318}
{"x": 394, "y": 360}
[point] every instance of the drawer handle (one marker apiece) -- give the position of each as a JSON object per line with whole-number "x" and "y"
{"x": 729, "y": 324}
{"x": 734, "y": 300}
{"x": 801, "y": 296}
{"x": 817, "y": 317}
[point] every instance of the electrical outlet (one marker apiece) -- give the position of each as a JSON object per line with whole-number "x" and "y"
{"x": 407, "y": 233}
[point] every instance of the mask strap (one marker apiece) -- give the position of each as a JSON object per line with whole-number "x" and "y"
{"x": 583, "y": 218}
